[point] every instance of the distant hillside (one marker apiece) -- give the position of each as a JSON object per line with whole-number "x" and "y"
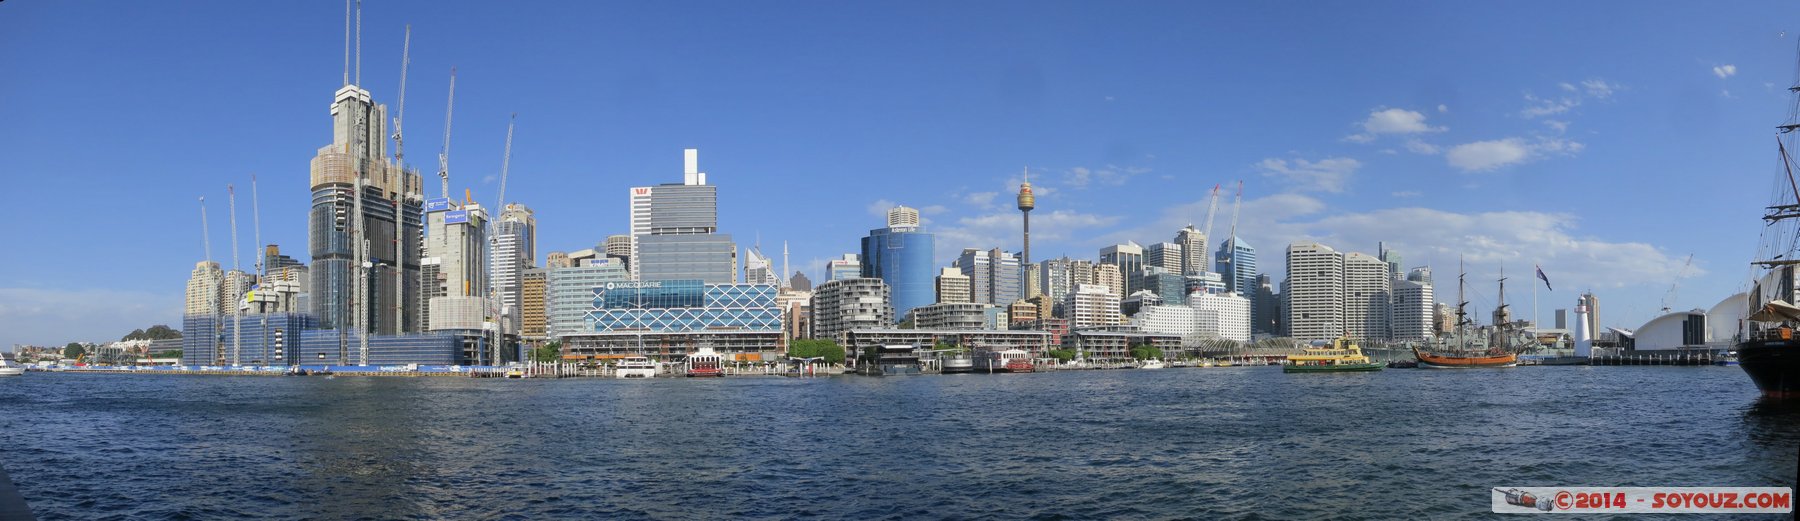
{"x": 156, "y": 332}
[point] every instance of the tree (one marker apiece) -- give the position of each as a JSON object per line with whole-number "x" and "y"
{"x": 549, "y": 352}
{"x": 156, "y": 332}
{"x": 74, "y": 350}
{"x": 816, "y": 348}
{"x": 1062, "y": 355}
{"x": 1145, "y": 352}
{"x": 172, "y": 353}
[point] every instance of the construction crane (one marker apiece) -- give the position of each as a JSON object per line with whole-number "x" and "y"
{"x": 444, "y": 156}
{"x": 1210, "y": 210}
{"x": 205, "y": 234}
{"x": 506, "y": 161}
{"x": 256, "y": 231}
{"x": 1236, "y": 204}
{"x": 400, "y": 114}
{"x": 494, "y": 241}
{"x": 1669, "y": 299}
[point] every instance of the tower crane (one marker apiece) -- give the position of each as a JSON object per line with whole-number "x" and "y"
{"x": 1669, "y": 298}
{"x": 444, "y": 156}
{"x": 400, "y": 115}
{"x": 1210, "y": 210}
{"x": 1236, "y": 204}
{"x": 506, "y": 161}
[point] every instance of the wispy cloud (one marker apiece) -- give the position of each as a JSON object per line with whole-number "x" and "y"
{"x": 1572, "y": 96}
{"x": 1393, "y": 121}
{"x": 1724, "y": 71}
{"x": 1080, "y": 177}
{"x": 55, "y": 317}
{"x": 1484, "y": 156}
{"x": 1325, "y": 175}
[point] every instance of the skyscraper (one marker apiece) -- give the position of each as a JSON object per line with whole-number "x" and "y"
{"x": 1236, "y": 262}
{"x": 454, "y": 269}
{"x": 1090, "y": 306}
{"x": 902, "y": 255}
{"x": 1193, "y": 249}
{"x": 758, "y": 269}
{"x": 1165, "y": 255}
{"x": 205, "y": 290}
{"x": 1266, "y": 315}
{"x": 364, "y": 228}
{"x": 1313, "y": 295}
{"x": 993, "y": 275}
{"x": 619, "y": 247}
{"x": 514, "y": 250}
{"x": 839, "y": 306}
{"x": 675, "y": 231}
{"x": 848, "y": 267}
{"x": 1129, "y": 257}
{"x": 1414, "y": 305}
{"x": 1368, "y": 290}
{"x": 1391, "y": 257}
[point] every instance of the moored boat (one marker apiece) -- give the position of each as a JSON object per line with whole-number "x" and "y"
{"x": 9, "y": 368}
{"x": 1152, "y": 364}
{"x": 1768, "y": 350}
{"x": 959, "y": 363}
{"x": 1004, "y": 361}
{"x": 1463, "y": 349}
{"x": 704, "y": 362}
{"x": 635, "y": 367}
{"x": 1341, "y": 355}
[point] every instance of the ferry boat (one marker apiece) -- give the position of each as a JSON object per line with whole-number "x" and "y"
{"x": 635, "y": 367}
{"x": 705, "y": 362}
{"x": 958, "y": 363}
{"x": 1340, "y": 356}
{"x": 8, "y": 368}
{"x": 1004, "y": 361}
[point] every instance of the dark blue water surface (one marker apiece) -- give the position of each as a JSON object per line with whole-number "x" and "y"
{"x": 1246, "y": 442}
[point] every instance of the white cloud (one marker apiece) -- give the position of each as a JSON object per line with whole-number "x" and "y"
{"x": 1081, "y": 176}
{"x": 1546, "y": 107}
{"x": 981, "y": 199}
{"x": 1483, "y": 156}
{"x": 1487, "y": 155}
{"x": 880, "y": 208}
{"x": 1420, "y": 147}
{"x": 1392, "y": 121}
{"x": 1567, "y": 86}
{"x": 1725, "y": 71}
{"x": 1325, "y": 175}
{"x": 1557, "y": 125}
{"x": 1598, "y": 88}
{"x": 56, "y": 317}
{"x": 1442, "y": 108}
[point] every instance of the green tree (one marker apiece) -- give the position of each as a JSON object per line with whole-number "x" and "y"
{"x": 549, "y": 352}
{"x": 816, "y": 348}
{"x": 1062, "y": 355}
{"x": 172, "y": 353}
{"x": 156, "y": 332}
{"x": 73, "y": 350}
{"x": 1145, "y": 352}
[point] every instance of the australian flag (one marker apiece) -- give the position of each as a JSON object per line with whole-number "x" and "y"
{"x": 1540, "y": 271}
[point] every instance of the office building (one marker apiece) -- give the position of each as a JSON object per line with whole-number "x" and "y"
{"x": 205, "y": 290}
{"x": 1165, "y": 255}
{"x": 1414, "y": 305}
{"x": 902, "y": 255}
{"x": 839, "y": 306}
{"x": 1313, "y": 294}
{"x": 1236, "y": 264}
{"x": 1390, "y": 257}
{"x": 514, "y": 249}
{"x": 953, "y": 286}
{"x": 1368, "y": 292}
{"x": 453, "y": 271}
{"x": 1058, "y": 275}
{"x": 1265, "y": 315}
{"x": 759, "y": 269}
{"x": 364, "y": 227}
{"x": 534, "y": 305}
{"x": 675, "y": 231}
{"x": 993, "y": 275}
{"x": 1109, "y": 277}
{"x": 570, "y": 294}
{"x": 1169, "y": 285}
{"x": 1129, "y": 258}
{"x": 1091, "y": 305}
{"x": 1193, "y": 250}
{"x": 618, "y": 247}
{"x": 799, "y": 282}
{"x": 1222, "y": 315}
{"x": 559, "y": 259}
{"x": 848, "y": 267}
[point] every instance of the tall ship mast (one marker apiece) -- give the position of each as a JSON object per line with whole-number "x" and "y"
{"x": 1461, "y": 351}
{"x": 1768, "y": 350}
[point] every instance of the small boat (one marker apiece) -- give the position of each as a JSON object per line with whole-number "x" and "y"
{"x": 9, "y": 368}
{"x": 1225, "y": 363}
{"x": 1340, "y": 356}
{"x": 635, "y": 367}
{"x": 959, "y": 363}
{"x": 704, "y": 362}
{"x": 1152, "y": 364}
{"x": 1004, "y": 361}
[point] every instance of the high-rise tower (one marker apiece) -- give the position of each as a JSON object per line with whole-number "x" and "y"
{"x": 1027, "y": 201}
{"x": 902, "y": 255}
{"x": 364, "y": 228}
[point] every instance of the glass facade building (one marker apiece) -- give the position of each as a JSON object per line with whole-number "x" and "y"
{"x": 903, "y": 257}
{"x": 684, "y": 305}
{"x": 571, "y": 293}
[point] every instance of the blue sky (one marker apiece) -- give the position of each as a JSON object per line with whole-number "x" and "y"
{"x": 1605, "y": 141}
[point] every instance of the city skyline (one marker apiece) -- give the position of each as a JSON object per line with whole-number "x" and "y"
{"x": 1457, "y": 139}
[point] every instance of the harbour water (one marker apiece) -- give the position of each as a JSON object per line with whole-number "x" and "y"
{"x": 1244, "y": 442}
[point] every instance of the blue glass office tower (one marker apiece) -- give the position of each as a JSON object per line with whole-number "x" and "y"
{"x": 902, "y": 255}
